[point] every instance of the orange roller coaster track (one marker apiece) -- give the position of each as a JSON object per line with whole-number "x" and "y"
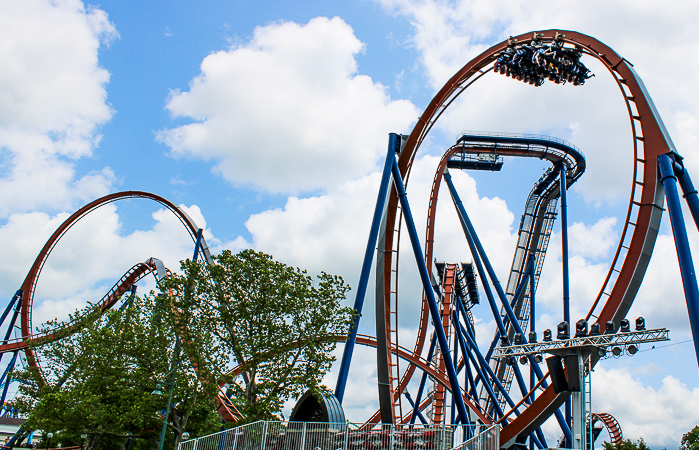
{"x": 650, "y": 139}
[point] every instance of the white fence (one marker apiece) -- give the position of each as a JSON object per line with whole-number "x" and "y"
{"x": 484, "y": 439}
{"x": 343, "y": 436}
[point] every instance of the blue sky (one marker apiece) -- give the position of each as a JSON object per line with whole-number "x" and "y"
{"x": 268, "y": 121}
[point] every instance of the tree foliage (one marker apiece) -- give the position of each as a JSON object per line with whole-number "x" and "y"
{"x": 627, "y": 444}
{"x": 272, "y": 323}
{"x": 275, "y": 321}
{"x": 99, "y": 380}
{"x": 690, "y": 440}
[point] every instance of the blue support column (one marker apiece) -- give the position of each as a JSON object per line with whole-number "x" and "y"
{"x": 13, "y": 320}
{"x": 197, "y": 245}
{"x": 566, "y": 288}
{"x": 564, "y": 245}
{"x": 467, "y": 365}
{"x": 479, "y": 366}
{"x": 15, "y": 303}
{"x": 532, "y": 292}
{"x": 8, "y": 369}
{"x": 690, "y": 193}
{"x": 523, "y": 284}
{"x": 429, "y": 293}
{"x": 476, "y": 250}
{"x": 684, "y": 254}
{"x": 488, "y": 370}
{"x": 423, "y": 380}
{"x": 393, "y": 145}
{"x": 14, "y": 299}
{"x": 453, "y": 404}
{"x": 532, "y": 329}
{"x": 471, "y": 333}
{"x": 6, "y": 377}
{"x": 473, "y": 240}
{"x": 416, "y": 410}
{"x": 476, "y": 256}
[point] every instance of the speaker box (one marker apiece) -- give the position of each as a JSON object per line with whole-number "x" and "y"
{"x": 558, "y": 375}
{"x": 573, "y": 373}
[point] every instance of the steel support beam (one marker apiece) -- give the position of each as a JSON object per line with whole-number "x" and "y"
{"x": 684, "y": 254}
{"x": 429, "y": 293}
{"x": 366, "y": 268}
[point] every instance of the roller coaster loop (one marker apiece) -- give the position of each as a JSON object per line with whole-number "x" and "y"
{"x": 448, "y": 298}
{"x": 21, "y": 303}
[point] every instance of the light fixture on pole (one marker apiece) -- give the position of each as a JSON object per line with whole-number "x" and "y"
{"x": 171, "y": 383}
{"x": 48, "y": 441}
{"x": 83, "y": 436}
{"x": 175, "y": 357}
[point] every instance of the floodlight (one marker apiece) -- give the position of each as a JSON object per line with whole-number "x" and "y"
{"x": 562, "y": 331}
{"x": 594, "y": 329}
{"x": 581, "y": 328}
{"x": 519, "y": 339}
{"x": 609, "y": 327}
{"x": 625, "y": 326}
{"x": 616, "y": 351}
{"x": 548, "y": 337}
{"x": 523, "y": 360}
{"x": 601, "y": 352}
{"x": 640, "y": 324}
{"x": 632, "y": 349}
{"x": 532, "y": 337}
{"x": 538, "y": 358}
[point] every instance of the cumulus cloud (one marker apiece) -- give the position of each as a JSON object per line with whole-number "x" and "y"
{"x": 53, "y": 99}
{"x": 329, "y": 232}
{"x": 661, "y": 296}
{"x": 659, "y": 416}
{"x": 287, "y": 111}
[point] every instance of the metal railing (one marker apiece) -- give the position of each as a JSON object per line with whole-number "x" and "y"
{"x": 487, "y": 438}
{"x": 503, "y": 134}
{"x": 328, "y": 436}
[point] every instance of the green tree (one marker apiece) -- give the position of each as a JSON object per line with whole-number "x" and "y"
{"x": 280, "y": 323}
{"x": 690, "y": 440}
{"x": 627, "y": 444}
{"x": 99, "y": 380}
{"x": 276, "y": 321}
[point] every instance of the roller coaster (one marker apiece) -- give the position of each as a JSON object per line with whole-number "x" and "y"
{"x": 447, "y": 297}
{"x": 445, "y": 347}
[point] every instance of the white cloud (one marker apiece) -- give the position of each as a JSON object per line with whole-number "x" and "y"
{"x": 595, "y": 241}
{"x": 660, "y": 299}
{"x": 53, "y": 99}
{"x": 659, "y": 416}
{"x": 90, "y": 257}
{"x": 329, "y": 232}
{"x": 287, "y": 111}
{"x": 326, "y": 232}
